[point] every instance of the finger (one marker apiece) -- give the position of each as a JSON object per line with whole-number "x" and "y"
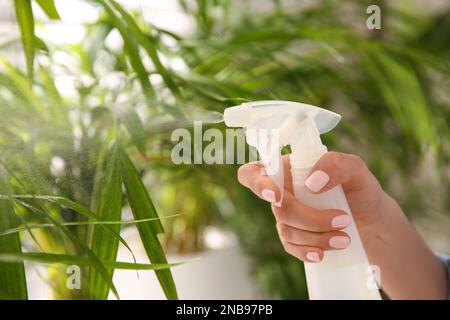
{"x": 298, "y": 215}
{"x": 252, "y": 175}
{"x": 304, "y": 253}
{"x": 335, "y": 168}
{"x": 333, "y": 240}
{"x": 287, "y": 173}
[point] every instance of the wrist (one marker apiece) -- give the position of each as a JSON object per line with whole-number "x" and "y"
{"x": 409, "y": 269}
{"x": 389, "y": 215}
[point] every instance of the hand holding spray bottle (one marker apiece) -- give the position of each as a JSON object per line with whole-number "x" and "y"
{"x": 269, "y": 126}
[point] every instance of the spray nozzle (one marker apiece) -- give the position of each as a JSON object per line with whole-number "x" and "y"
{"x": 271, "y": 125}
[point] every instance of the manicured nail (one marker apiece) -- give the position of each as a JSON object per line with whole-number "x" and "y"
{"x": 341, "y": 221}
{"x": 339, "y": 242}
{"x": 317, "y": 181}
{"x": 313, "y": 256}
{"x": 269, "y": 195}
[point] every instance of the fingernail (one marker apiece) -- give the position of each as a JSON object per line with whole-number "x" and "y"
{"x": 341, "y": 221}
{"x": 313, "y": 256}
{"x": 339, "y": 242}
{"x": 269, "y": 195}
{"x": 317, "y": 181}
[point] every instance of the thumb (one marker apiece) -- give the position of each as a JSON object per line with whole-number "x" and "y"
{"x": 335, "y": 168}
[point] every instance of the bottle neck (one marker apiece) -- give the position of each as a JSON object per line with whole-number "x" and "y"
{"x": 305, "y": 142}
{"x": 305, "y": 157}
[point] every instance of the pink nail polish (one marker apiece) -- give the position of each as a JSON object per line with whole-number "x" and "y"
{"x": 313, "y": 256}
{"x": 339, "y": 242}
{"x": 341, "y": 221}
{"x": 269, "y": 195}
{"x": 317, "y": 180}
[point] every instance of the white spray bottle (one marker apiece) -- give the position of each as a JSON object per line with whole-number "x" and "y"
{"x": 270, "y": 125}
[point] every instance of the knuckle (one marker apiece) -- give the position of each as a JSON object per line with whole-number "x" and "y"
{"x": 323, "y": 224}
{"x": 280, "y": 214}
{"x": 241, "y": 173}
{"x": 285, "y": 246}
{"x": 358, "y": 163}
{"x": 275, "y": 212}
{"x": 285, "y": 232}
{"x": 336, "y": 158}
{"x": 292, "y": 252}
{"x": 319, "y": 222}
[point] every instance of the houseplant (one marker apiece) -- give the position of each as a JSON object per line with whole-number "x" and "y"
{"x": 390, "y": 86}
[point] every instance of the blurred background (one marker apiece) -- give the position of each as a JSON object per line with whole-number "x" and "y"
{"x": 93, "y": 69}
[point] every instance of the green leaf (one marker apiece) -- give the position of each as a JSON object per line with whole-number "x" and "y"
{"x": 49, "y": 8}
{"x": 401, "y": 89}
{"x": 135, "y": 128}
{"x": 104, "y": 245}
{"x": 24, "y": 14}
{"x": 94, "y": 260}
{"x": 64, "y": 202}
{"x": 100, "y": 164}
{"x": 9, "y": 43}
{"x": 40, "y": 45}
{"x": 57, "y": 105}
{"x": 142, "y": 207}
{"x": 149, "y": 47}
{"x": 28, "y": 227}
{"x": 24, "y": 90}
{"x": 12, "y": 274}
{"x": 50, "y": 258}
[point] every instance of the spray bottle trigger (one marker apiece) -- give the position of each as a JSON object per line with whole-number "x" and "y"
{"x": 278, "y": 178}
{"x": 270, "y": 153}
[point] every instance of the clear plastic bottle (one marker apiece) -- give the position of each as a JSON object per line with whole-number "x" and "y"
{"x": 342, "y": 274}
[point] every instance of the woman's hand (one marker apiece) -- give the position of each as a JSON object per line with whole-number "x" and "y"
{"x": 306, "y": 232}
{"x": 408, "y": 268}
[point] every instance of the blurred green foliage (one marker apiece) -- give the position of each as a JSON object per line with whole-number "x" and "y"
{"x": 390, "y": 85}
